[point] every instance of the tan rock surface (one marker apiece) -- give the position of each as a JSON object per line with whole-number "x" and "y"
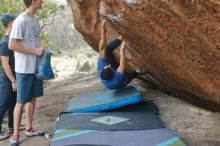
{"x": 178, "y": 41}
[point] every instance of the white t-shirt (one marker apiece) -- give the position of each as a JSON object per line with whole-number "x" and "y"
{"x": 26, "y": 29}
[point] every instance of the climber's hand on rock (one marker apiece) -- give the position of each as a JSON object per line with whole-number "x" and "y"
{"x": 104, "y": 27}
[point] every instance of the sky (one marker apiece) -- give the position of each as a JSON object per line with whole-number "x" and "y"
{"x": 59, "y": 1}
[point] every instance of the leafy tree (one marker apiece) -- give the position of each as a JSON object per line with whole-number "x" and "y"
{"x": 46, "y": 15}
{"x": 10, "y": 6}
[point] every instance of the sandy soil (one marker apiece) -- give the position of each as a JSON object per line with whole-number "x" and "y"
{"x": 197, "y": 127}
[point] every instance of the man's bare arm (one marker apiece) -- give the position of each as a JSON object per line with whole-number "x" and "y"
{"x": 103, "y": 41}
{"x": 15, "y": 45}
{"x": 122, "y": 65}
{"x": 8, "y": 71}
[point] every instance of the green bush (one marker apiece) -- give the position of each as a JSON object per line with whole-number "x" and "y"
{"x": 46, "y": 15}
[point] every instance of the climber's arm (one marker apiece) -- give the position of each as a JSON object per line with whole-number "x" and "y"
{"x": 103, "y": 41}
{"x": 122, "y": 65}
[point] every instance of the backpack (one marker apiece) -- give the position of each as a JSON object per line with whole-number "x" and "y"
{"x": 44, "y": 70}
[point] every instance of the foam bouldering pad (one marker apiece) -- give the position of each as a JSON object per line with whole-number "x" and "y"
{"x": 105, "y": 100}
{"x": 140, "y": 116}
{"x": 154, "y": 137}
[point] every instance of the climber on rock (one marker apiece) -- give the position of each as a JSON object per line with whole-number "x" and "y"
{"x": 113, "y": 75}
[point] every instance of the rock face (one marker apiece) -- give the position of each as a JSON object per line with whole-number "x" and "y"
{"x": 178, "y": 41}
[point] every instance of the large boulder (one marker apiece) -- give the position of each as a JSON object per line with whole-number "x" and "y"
{"x": 178, "y": 41}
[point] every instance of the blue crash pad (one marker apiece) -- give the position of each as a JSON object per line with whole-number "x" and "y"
{"x": 105, "y": 100}
{"x": 140, "y": 116}
{"x": 154, "y": 137}
{"x": 140, "y": 127}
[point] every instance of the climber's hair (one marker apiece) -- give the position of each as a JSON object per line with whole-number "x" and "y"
{"x": 27, "y": 3}
{"x": 107, "y": 73}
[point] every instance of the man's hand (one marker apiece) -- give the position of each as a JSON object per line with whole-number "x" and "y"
{"x": 39, "y": 51}
{"x": 121, "y": 38}
{"x": 104, "y": 27}
{"x": 122, "y": 49}
{"x": 14, "y": 86}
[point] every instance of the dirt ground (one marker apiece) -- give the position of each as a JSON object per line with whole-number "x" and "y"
{"x": 196, "y": 126}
